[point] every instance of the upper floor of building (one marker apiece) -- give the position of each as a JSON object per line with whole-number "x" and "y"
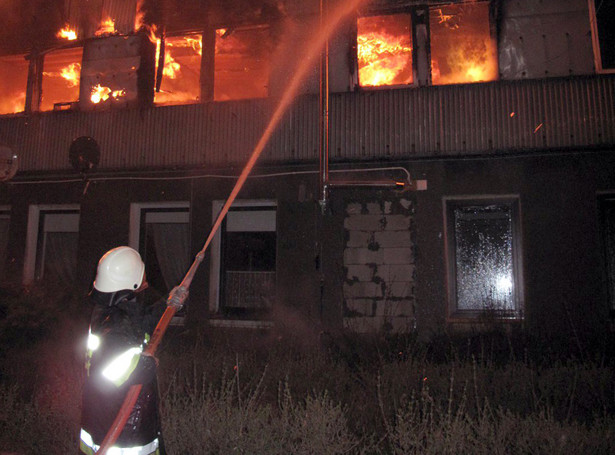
{"x": 188, "y": 83}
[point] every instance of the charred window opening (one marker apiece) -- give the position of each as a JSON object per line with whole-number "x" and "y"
{"x": 483, "y": 256}
{"x": 60, "y": 78}
{"x": 462, "y": 49}
{"x": 453, "y": 45}
{"x": 180, "y": 81}
{"x": 602, "y": 18}
{"x": 13, "y": 79}
{"x": 384, "y": 50}
{"x": 242, "y": 63}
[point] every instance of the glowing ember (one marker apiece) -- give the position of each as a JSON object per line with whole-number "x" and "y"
{"x": 100, "y": 93}
{"x": 67, "y": 33}
{"x": 384, "y": 50}
{"x": 106, "y": 27}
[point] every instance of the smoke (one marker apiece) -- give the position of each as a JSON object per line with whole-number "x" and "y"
{"x": 29, "y": 24}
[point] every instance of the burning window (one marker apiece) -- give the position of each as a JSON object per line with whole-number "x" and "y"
{"x": 180, "y": 81}
{"x": 13, "y": 79}
{"x": 462, "y": 49}
{"x": 61, "y": 73}
{"x": 384, "y": 50}
{"x": 242, "y": 63}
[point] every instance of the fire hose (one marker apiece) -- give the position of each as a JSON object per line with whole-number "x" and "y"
{"x": 179, "y": 294}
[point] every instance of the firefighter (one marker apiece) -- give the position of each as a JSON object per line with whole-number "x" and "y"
{"x": 119, "y": 330}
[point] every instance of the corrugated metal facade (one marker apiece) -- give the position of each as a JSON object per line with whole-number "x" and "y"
{"x": 381, "y": 124}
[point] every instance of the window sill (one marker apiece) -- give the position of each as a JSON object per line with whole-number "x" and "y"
{"x": 240, "y": 323}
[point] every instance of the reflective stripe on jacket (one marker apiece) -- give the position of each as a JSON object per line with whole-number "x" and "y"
{"x": 87, "y": 446}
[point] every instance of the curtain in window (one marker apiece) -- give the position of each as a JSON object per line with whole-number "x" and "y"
{"x": 172, "y": 241}
{"x": 60, "y": 257}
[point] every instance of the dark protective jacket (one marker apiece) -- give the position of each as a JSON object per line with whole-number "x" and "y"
{"x": 119, "y": 329}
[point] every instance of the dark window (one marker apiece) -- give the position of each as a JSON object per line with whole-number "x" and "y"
{"x": 164, "y": 245}
{"x": 483, "y": 258}
{"x": 607, "y": 215}
{"x": 248, "y": 262}
{"x": 56, "y": 248}
{"x": 4, "y": 240}
{"x": 604, "y": 33}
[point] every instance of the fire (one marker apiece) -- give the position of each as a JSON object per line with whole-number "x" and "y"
{"x": 462, "y": 48}
{"x": 106, "y": 27}
{"x": 171, "y": 67}
{"x": 384, "y": 50}
{"x": 71, "y": 74}
{"x": 67, "y": 33}
{"x": 100, "y": 93}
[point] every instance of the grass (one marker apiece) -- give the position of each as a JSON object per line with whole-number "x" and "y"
{"x": 271, "y": 393}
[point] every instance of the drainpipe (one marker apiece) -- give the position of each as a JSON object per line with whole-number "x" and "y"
{"x": 324, "y": 117}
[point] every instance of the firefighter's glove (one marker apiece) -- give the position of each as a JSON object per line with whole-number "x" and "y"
{"x": 177, "y": 297}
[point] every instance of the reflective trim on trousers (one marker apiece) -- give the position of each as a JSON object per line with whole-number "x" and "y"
{"x": 87, "y": 446}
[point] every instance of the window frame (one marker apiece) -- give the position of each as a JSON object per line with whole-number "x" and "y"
{"x": 36, "y": 228}
{"x": 454, "y": 314}
{"x": 5, "y": 214}
{"x": 608, "y": 274}
{"x": 166, "y": 211}
{"x": 216, "y": 317}
{"x": 421, "y": 56}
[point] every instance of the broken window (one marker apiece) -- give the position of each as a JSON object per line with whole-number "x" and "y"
{"x": 14, "y": 80}
{"x": 61, "y": 74}
{"x": 51, "y": 251}
{"x": 242, "y": 63}
{"x": 180, "y": 82}
{"x": 161, "y": 234}
{"x": 482, "y": 244}
{"x": 462, "y": 49}
{"x": 602, "y": 18}
{"x": 384, "y": 50}
{"x": 244, "y": 262}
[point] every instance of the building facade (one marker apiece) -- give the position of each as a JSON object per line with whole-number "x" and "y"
{"x": 454, "y": 168}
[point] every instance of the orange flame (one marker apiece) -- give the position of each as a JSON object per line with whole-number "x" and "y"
{"x": 171, "y": 67}
{"x": 383, "y": 58}
{"x": 67, "y": 33}
{"x": 106, "y": 27}
{"x": 70, "y": 73}
{"x": 100, "y": 93}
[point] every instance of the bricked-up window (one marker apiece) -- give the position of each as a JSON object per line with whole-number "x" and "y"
{"x": 13, "y": 80}
{"x": 180, "y": 82}
{"x": 384, "y": 50}
{"x": 483, "y": 246}
{"x": 242, "y": 63}
{"x": 602, "y": 19}
{"x": 61, "y": 75}
{"x": 462, "y": 49}
{"x": 243, "y": 271}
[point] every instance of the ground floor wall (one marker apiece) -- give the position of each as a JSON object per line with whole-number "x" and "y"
{"x": 368, "y": 258}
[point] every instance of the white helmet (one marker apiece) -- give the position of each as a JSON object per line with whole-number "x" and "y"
{"x": 118, "y": 269}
